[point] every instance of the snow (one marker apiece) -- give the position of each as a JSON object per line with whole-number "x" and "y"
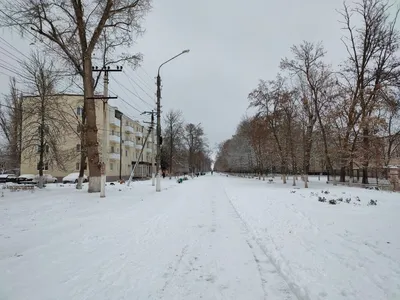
{"x": 212, "y": 237}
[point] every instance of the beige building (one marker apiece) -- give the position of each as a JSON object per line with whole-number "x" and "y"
{"x": 125, "y": 139}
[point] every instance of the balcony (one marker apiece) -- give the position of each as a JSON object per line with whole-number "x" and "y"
{"x": 148, "y": 149}
{"x": 129, "y": 143}
{"x": 114, "y": 156}
{"x": 138, "y": 133}
{"x": 129, "y": 129}
{"x": 115, "y": 138}
{"x": 114, "y": 121}
{"x": 139, "y": 147}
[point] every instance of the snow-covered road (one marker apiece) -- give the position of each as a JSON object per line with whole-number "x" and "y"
{"x": 209, "y": 238}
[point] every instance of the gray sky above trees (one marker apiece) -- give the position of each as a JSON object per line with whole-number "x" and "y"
{"x": 232, "y": 45}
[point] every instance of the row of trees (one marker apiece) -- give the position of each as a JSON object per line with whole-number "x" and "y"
{"x": 80, "y": 34}
{"x": 184, "y": 148}
{"x": 336, "y": 119}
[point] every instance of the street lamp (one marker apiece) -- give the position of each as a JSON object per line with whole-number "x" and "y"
{"x": 158, "y": 178}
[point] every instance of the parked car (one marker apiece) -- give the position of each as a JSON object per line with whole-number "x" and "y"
{"x": 73, "y": 178}
{"x": 27, "y": 179}
{"x": 47, "y": 178}
{"x": 8, "y": 178}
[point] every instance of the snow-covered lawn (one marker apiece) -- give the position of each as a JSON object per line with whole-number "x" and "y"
{"x": 213, "y": 237}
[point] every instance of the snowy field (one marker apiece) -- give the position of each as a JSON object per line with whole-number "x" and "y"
{"x": 213, "y": 237}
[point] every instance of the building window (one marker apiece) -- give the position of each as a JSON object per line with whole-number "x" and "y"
{"x": 77, "y": 166}
{"x": 126, "y": 152}
{"x": 79, "y": 111}
{"x": 78, "y": 128}
{"x": 111, "y": 166}
{"x": 112, "y": 132}
{"x": 112, "y": 149}
{"x": 78, "y": 147}
{"x": 45, "y": 166}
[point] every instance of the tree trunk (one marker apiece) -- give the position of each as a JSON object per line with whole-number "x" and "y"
{"x": 82, "y": 169}
{"x": 41, "y": 142}
{"x": 283, "y": 170}
{"x": 91, "y": 129}
{"x": 351, "y": 172}
{"x": 342, "y": 174}
{"x": 365, "y": 156}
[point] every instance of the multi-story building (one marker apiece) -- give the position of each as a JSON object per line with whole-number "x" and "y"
{"x": 125, "y": 139}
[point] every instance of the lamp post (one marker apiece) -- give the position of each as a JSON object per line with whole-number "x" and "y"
{"x": 158, "y": 177}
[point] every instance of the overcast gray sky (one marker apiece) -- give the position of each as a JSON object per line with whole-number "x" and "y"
{"x": 232, "y": 45}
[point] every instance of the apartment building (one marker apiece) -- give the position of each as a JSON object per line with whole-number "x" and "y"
{"x": 125, "y": 139}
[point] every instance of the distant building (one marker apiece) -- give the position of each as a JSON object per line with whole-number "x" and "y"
{"x": 125, "y": 139}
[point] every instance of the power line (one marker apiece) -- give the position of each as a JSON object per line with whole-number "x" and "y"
{"x": 152, "y": 98}
{"x": 120, "y": 98}
{"x": 144, "y": 70}
{"x": 150, "y": 87}
{"x": 136, "y": 95}
{"x": 11, "y": 46}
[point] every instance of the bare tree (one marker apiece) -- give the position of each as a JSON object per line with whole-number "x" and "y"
{"x": 43, "y": 129}
{"x": 195, "y": 143}
{"x": 371, "y": 65}
{"x": 73, "y": 30}
{"x": 391, "y": 133}
{"x": 268, "y": 98}
{"x": 174, "y": 130}
{"x": 11, "y": 124}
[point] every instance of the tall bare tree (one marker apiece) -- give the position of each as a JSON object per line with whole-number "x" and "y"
{"x": 73, "y": 29}
{"x": 313, "y": 76}
{"x": 43, "y": 132}
{"x": 372, "y": 64}
{"x": 195, "y": 143}
{"x": 173, "y": 134}
{"x": 11, "y": 124}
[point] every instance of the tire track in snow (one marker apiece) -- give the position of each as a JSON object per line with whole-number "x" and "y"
{"x": 295, "y": 289}
{"x": 176, "y": 267}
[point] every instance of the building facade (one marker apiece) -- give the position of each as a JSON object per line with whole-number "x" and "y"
{"x": 125, "y": 139}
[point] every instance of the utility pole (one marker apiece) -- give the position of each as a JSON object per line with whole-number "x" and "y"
{"x": 153, "y": 167}
{"x": 159, "y": 138}
{"x": 104, "y": 144}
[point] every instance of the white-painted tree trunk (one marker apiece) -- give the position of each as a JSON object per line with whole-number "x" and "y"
{"x": 103, "y": 179}
{"x": 79, "y": 184}
{"x": 41, "y": 182}
{"x": 306, "y": 181}
{"x": 94, "y": 184}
